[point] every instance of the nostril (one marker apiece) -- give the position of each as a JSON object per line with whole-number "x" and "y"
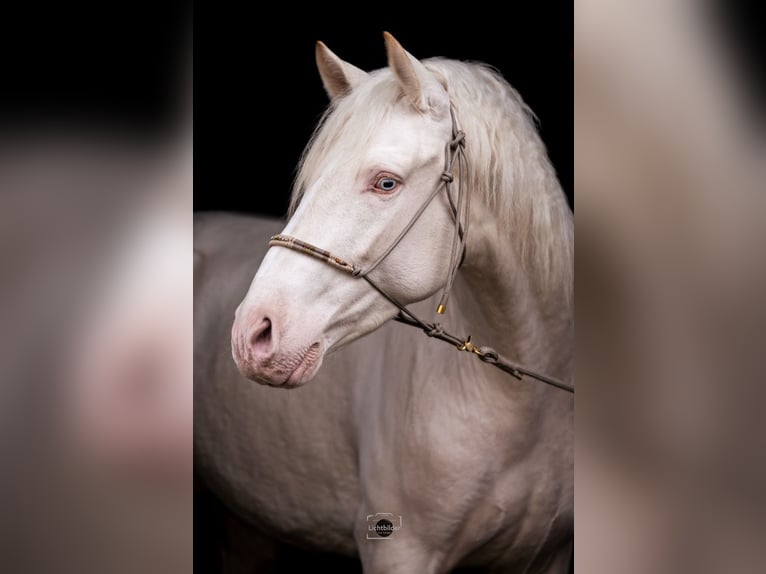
{"x": 264, "y": 337}
{"x": 260, "y": 341}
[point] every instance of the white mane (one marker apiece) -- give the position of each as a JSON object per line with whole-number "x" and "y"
{"x": 511, "y": 171}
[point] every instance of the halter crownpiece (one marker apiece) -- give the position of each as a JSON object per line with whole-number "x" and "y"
{"x": 455, "y": 150}
{"x": 454, "y": 156}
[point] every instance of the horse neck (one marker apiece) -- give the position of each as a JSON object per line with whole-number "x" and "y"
{"x": 504, "y": 306}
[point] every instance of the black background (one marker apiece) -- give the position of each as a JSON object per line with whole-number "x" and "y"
{"x": 266, "y": 95}
{"x": 103, "y": 70}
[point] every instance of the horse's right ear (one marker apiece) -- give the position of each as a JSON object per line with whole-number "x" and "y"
{"x": 338, "y": 77}
{"x": 420, "y": 86}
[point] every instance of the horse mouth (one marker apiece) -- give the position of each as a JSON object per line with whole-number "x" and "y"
{"x": 307, "y": 366}
{"x": 282, "y": 370}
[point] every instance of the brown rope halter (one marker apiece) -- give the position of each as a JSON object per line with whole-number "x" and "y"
{"x": 454, "y": 155}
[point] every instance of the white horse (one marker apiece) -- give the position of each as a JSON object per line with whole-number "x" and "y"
{"x": 468, "y": 465}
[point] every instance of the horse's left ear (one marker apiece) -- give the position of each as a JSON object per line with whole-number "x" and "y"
{"x": 420, "y": 86}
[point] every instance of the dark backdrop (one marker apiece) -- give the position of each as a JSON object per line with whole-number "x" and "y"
{"x": 263, "y": 94}
{"x": 120, "y": 72}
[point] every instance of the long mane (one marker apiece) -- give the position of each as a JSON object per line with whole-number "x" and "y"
{"x": 512, "y": 174}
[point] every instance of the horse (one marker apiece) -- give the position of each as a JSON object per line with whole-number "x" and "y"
{"x": 378, "y": 441}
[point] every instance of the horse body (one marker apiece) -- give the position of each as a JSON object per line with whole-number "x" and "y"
{"x": 477, "y": 464}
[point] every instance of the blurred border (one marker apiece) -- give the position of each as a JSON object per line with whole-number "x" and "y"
{"x": 670, "y": 281}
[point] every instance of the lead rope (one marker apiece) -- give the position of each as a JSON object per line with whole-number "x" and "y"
{"x": 407, "y": 317}
{"x": 486, "y": 354}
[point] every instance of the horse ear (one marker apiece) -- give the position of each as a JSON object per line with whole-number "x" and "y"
{"x": 338, "y": 77}
{"x": 420, "y": 86}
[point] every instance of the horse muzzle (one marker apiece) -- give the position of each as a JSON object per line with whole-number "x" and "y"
{"x": 265, "y": 355}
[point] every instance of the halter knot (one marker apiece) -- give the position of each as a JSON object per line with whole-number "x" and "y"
{"x": 435, "y": 330}
{"x": 458, "y": 139}
{"x": 488, "y": 354}
{"x": 447, "y": 176}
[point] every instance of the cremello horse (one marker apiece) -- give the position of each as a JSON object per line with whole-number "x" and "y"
{"x": 477, "y": 465}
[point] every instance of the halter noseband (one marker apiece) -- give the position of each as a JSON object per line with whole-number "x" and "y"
{"x": 454, "y": 156}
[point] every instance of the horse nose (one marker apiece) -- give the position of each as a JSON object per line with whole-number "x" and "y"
{"x": 261, "y": 341}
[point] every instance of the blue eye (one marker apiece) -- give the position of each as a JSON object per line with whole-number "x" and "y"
{"x": 386, "y": 184}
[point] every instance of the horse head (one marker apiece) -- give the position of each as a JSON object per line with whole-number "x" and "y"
{"x": 377, "y": 156}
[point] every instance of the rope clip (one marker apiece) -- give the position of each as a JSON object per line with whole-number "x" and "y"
{"x": 470, "y": 347}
